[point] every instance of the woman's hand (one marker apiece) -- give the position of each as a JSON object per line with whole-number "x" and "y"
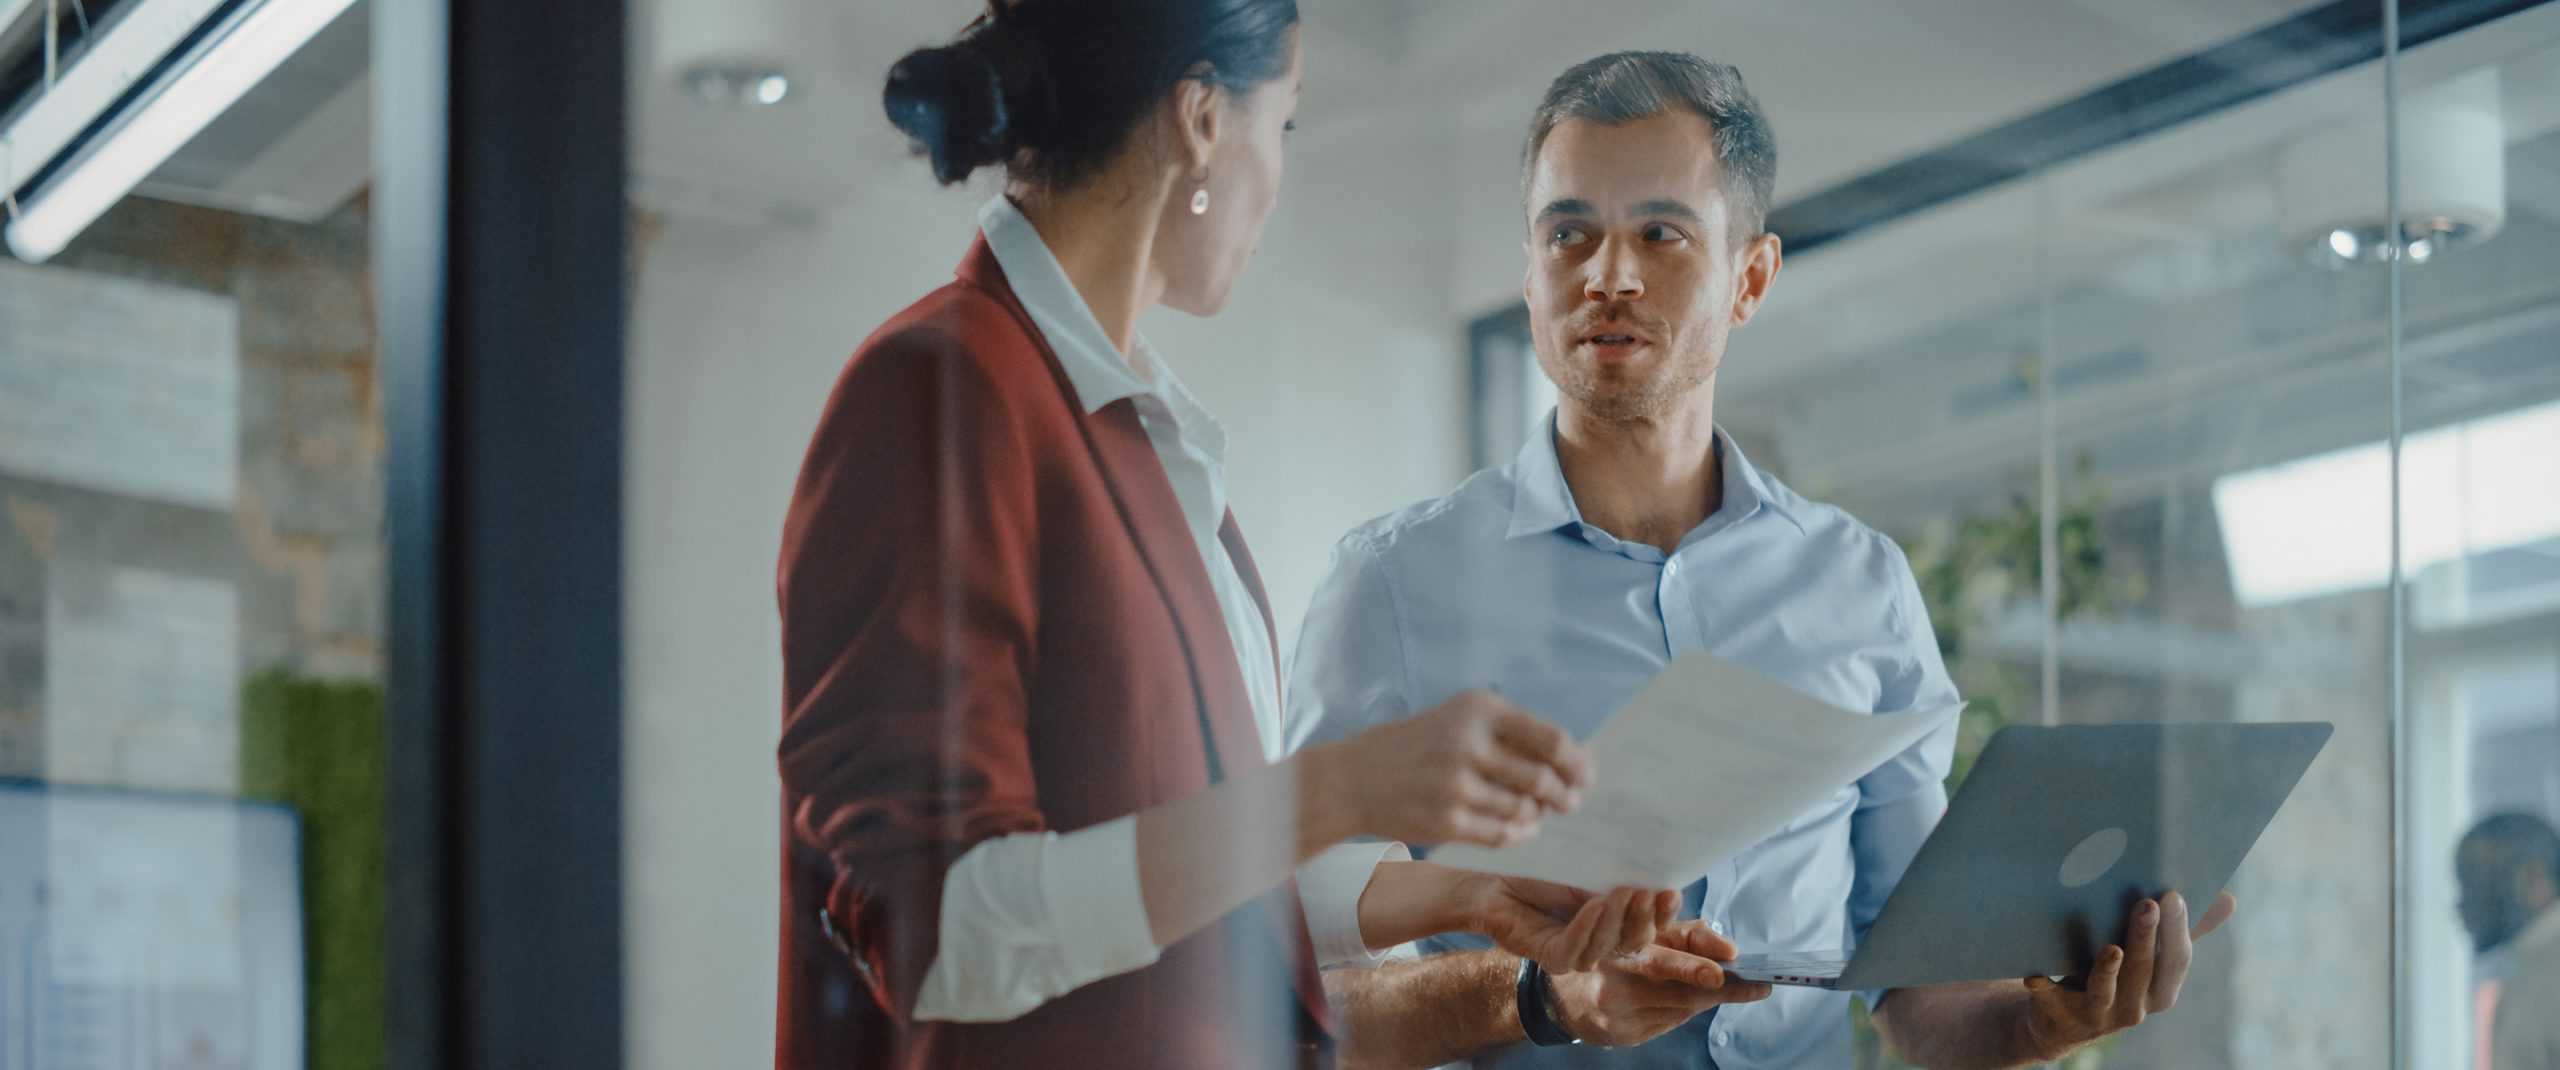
{"x": 1474, "y": 769}
{"x": 1635, "y": 998}
{"x": 1565, "y": 929}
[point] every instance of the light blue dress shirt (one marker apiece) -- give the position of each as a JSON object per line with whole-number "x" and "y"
{"x": 1502, "y": 585}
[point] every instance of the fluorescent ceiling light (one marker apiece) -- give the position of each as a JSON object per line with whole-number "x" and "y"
{"x": 223, "y": 67}
{"x": 2322, "y": 524}
{"x": 125, "y": 52}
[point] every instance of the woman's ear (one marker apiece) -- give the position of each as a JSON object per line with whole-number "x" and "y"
{"x": 1199, "y": 116}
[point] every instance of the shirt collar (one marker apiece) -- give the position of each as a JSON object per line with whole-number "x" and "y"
{"x": 1541, "y": 501}
{"x": 1093, "y": 365}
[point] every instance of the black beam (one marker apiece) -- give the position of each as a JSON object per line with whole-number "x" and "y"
{"x": 499, "y": 231}
{"x": 2325, "y": 39}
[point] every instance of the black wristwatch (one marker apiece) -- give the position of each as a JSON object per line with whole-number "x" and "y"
{"x": 1532, "y": 996}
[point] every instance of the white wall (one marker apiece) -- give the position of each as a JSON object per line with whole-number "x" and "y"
{"x": 736, "y": 335}
{"x": 1338, "y": 368}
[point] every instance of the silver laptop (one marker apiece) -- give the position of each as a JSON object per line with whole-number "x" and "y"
{"x": 2054, "y": 836}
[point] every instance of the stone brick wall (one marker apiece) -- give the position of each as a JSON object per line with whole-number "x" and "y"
{"x": 303, "y": 542}
{"x": 2301, "y": 978}
{"x": 2313, "y": 951}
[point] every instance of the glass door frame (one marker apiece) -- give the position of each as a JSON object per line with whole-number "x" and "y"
{"x": 500, "y": 232}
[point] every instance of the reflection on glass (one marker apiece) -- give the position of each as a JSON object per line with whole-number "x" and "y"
{"x": 2480, "y": 523}
{"x": 191, "y": 543}
{"x": 2222, "y": 521}
{"x": 2128, "y": 414}
{"x": 2188, "y": 334}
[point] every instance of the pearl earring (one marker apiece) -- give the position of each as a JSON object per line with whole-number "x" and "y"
{"x": 1200, "y": 201}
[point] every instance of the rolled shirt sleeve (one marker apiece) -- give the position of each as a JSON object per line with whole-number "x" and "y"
{"x": 1900, "y": 802}
{"x": 1030, "y": 917}
{"x": 1004, "y": 949}
{"x": 1027, "y": 918}
{"x": 1348, "y": 675}
{"x": 902, "y": 629}
{"x": 1330, "y": 885}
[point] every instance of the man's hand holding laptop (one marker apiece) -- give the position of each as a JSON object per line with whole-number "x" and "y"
{"x": 1632, "y": 997}
{"x": 2131, "y": 981}
{"x": 2001, "y": 1023}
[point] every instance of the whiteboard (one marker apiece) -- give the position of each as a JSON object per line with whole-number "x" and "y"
{"x": 147, "y": 930}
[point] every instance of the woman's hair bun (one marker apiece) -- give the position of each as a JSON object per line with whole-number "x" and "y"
{"x": 950, "y": 102}
{"x": 1050, "y": 90}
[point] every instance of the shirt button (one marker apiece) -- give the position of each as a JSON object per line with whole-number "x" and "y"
{"x": 1716, "y": 927}
{"x": 1672, "y": 567}
{"x": 1724, "y": 1038}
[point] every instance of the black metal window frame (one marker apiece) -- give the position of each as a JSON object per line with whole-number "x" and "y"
{"x": 500, "y": 226}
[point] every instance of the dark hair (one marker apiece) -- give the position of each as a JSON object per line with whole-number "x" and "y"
{"x": 1051, "y": 88}
{"x": 1626, "y": 86}
{"x": 2516, "y": 842}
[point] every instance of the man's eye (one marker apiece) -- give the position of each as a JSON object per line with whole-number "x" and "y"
{"x": 1565, "y": 236}
{"x": 1662, "y": 232}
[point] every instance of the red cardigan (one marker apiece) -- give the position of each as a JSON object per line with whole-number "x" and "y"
{"x": 994, "y": 621}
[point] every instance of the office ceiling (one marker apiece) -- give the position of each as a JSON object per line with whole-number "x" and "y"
{"x": 1851, "y": 84}
{"x": 2175, "y": 228}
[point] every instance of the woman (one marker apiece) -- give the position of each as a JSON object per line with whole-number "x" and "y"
{"x": 1029, "y": 671}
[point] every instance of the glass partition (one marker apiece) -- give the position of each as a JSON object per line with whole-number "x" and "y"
{"x": 2479, "y": 538}
{"x": 192, "y": 625}
{"x": 2124, "y": 321}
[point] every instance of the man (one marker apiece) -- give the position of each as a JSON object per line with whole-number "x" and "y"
{"x": 1630, "y": 531}
{"x": 2509, "y": 869}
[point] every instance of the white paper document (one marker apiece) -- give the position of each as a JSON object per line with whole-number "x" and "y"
{"x": 1710, "y": 759}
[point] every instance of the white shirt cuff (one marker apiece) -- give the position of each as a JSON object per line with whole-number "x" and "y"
{"x": 1029, "y": 917}
{"x": 1329, "y": 886}
{"x": 1089, "y": 879}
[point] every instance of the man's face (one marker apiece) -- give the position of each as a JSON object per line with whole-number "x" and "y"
{"x": 1634, "y": 279}
{"x": 2492, "y": 901}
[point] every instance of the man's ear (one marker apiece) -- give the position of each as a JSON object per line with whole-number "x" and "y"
{"x": 2534, "y": 887}
{"x": 1760, "y": 259}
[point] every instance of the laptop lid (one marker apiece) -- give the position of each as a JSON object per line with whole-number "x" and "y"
{"x": 2058, "y": 830}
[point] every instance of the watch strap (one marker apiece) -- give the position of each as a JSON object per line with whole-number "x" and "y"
{"x": 1530, "y": 997}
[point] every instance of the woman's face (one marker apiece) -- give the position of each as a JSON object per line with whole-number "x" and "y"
{"x": 1203, "y": 254}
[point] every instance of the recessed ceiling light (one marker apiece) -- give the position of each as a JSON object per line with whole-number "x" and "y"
{"x": 2333, "y": 203}
{"x": 2421, "y": 239}
{"x": 736, "y": 85}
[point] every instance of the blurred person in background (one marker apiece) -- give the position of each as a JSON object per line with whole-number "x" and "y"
{"x": 1031, "y": 697}
{"x": 2508, "y": 866}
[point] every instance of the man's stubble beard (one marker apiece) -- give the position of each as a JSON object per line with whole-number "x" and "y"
{"x": 1635, "y": 404}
